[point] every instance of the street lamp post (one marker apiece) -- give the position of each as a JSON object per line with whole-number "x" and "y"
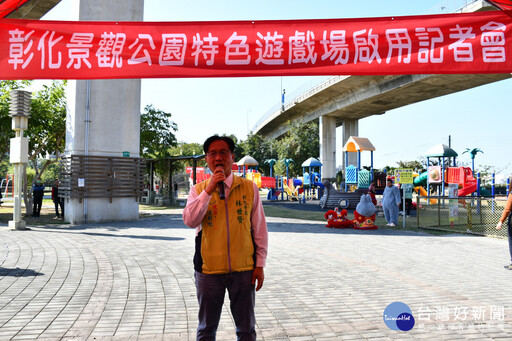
{"x": 19, "y": 110}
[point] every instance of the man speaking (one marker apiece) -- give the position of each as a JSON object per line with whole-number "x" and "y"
{"x": 231, "y": 242}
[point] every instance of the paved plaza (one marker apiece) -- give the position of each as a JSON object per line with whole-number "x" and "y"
{"x": 134, "y": 281}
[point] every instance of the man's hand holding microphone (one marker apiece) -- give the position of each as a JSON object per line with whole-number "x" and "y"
{"x": 217, "y": 181}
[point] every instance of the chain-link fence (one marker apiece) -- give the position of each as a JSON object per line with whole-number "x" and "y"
{"x": 475, "y": 215}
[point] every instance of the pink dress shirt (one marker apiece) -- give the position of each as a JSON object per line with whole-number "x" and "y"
{"x": 197, "y": 205}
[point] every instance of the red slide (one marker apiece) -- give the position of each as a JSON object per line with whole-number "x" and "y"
{"x": 462, "y": 176}
{"x": 468, "y": 189}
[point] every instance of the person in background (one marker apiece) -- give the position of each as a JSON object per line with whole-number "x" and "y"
{"x": 57, "y": 201}
{"x": 406, "y": 190}
{"x": 37, "y": 194}
{"x": 390, "y": 202}
{"x": 231, "y": 242}
{"x": 371, "y": 191}
{"x": 504, "y": 216}
{"x": 175, "y": 190}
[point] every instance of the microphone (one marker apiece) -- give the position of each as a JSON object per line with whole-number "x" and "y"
{"x": 221, "y": 186}
{"x": 221, "y": 190}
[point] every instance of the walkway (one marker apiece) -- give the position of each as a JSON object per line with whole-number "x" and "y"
{"x": 134, "y": 281}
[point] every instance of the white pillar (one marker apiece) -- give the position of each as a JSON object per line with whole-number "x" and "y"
{"x": 327, "y": 130}
{"x": 350, "y": 128}
{"x": 16, "y": 223}
{"x": 105, "y": 120}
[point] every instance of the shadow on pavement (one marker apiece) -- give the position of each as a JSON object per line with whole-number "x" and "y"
{"x": 17, "y": 272}
{"x": 133, "y": 236}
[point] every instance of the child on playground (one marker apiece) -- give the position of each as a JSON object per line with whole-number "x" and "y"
{"x": 371, "y": 191}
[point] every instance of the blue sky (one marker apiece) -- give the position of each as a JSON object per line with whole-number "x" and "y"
{"x": 476, "y": 118}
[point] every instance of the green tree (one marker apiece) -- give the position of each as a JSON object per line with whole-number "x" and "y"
{"x": 51, "y": 173}
{"x": 339, "y": 176}
{"x": 485, "y": 174}
{"x": 239, "y": 150}
{"x": 415, "y": 165}
{"x": 261, "y": 149}
{"x": 423, "y": 161}
{"x": 6, "y": 132}
{"x": 156, "y": 142}
{"x": 156, "y": 133}
{"x": 47, "y": 126}
{"x": 4, "y": 168}
{"x": 186, "y": 149}
{"x": 300, "y": 143}
{"x": 389, "y": 169}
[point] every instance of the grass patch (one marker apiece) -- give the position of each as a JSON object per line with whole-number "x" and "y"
{"x": 46, "y": 218}
{"x": 411, "y": 225}
{"x": 283, "y": 212}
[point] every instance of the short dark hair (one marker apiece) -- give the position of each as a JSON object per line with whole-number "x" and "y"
{"x": 213, "y": 138}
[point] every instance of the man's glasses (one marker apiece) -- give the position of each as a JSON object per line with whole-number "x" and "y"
{"x": 221, "y": 153}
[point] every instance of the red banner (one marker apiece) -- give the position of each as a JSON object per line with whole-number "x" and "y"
{"x": 434, "y": 44}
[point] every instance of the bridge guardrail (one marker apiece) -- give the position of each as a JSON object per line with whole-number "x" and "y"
{"x": 306, "y": 90}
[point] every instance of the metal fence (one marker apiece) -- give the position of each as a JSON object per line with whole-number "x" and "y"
{"x": 474, "y": 215}
{"x": 87, "y": 176}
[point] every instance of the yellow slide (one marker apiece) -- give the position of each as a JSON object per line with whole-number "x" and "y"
{"x": 423, "y": 192}
{"x": 292, "y": 193}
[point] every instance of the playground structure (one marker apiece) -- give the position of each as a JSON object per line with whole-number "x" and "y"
{"x": 6, "y": 186}
{"x": 435, "y": 179}
{"x": 443, "y": 174}
{"x": 249, "y": 173}
{"x": 438, "y": 178}
{"x": 307, "y": 187}
{"x": 357, "y": 180}
{"x": 419, "y": 184}
{"x": 333, "y": 198}
{"x": 356, "y": 177}
{"x": 302, "y": 188}
{"x": 312, "y": 180}
{"x": 292, "y": 188}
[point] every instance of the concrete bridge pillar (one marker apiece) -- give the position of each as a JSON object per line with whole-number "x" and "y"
{"x": 350, "y": 128}
{"x": 327, "y": 129}
{"x": 105, "y": 120}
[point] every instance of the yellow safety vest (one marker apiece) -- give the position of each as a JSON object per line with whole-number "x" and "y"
{"x": 225, "y": 241}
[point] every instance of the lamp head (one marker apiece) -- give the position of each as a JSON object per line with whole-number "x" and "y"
{"x": 19, "y": 109}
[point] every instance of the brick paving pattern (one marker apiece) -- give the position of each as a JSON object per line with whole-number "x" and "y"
{"x": 134, "y": 281}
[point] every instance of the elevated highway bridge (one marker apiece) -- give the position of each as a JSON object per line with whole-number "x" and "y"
{"x": 344, "y": 100}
